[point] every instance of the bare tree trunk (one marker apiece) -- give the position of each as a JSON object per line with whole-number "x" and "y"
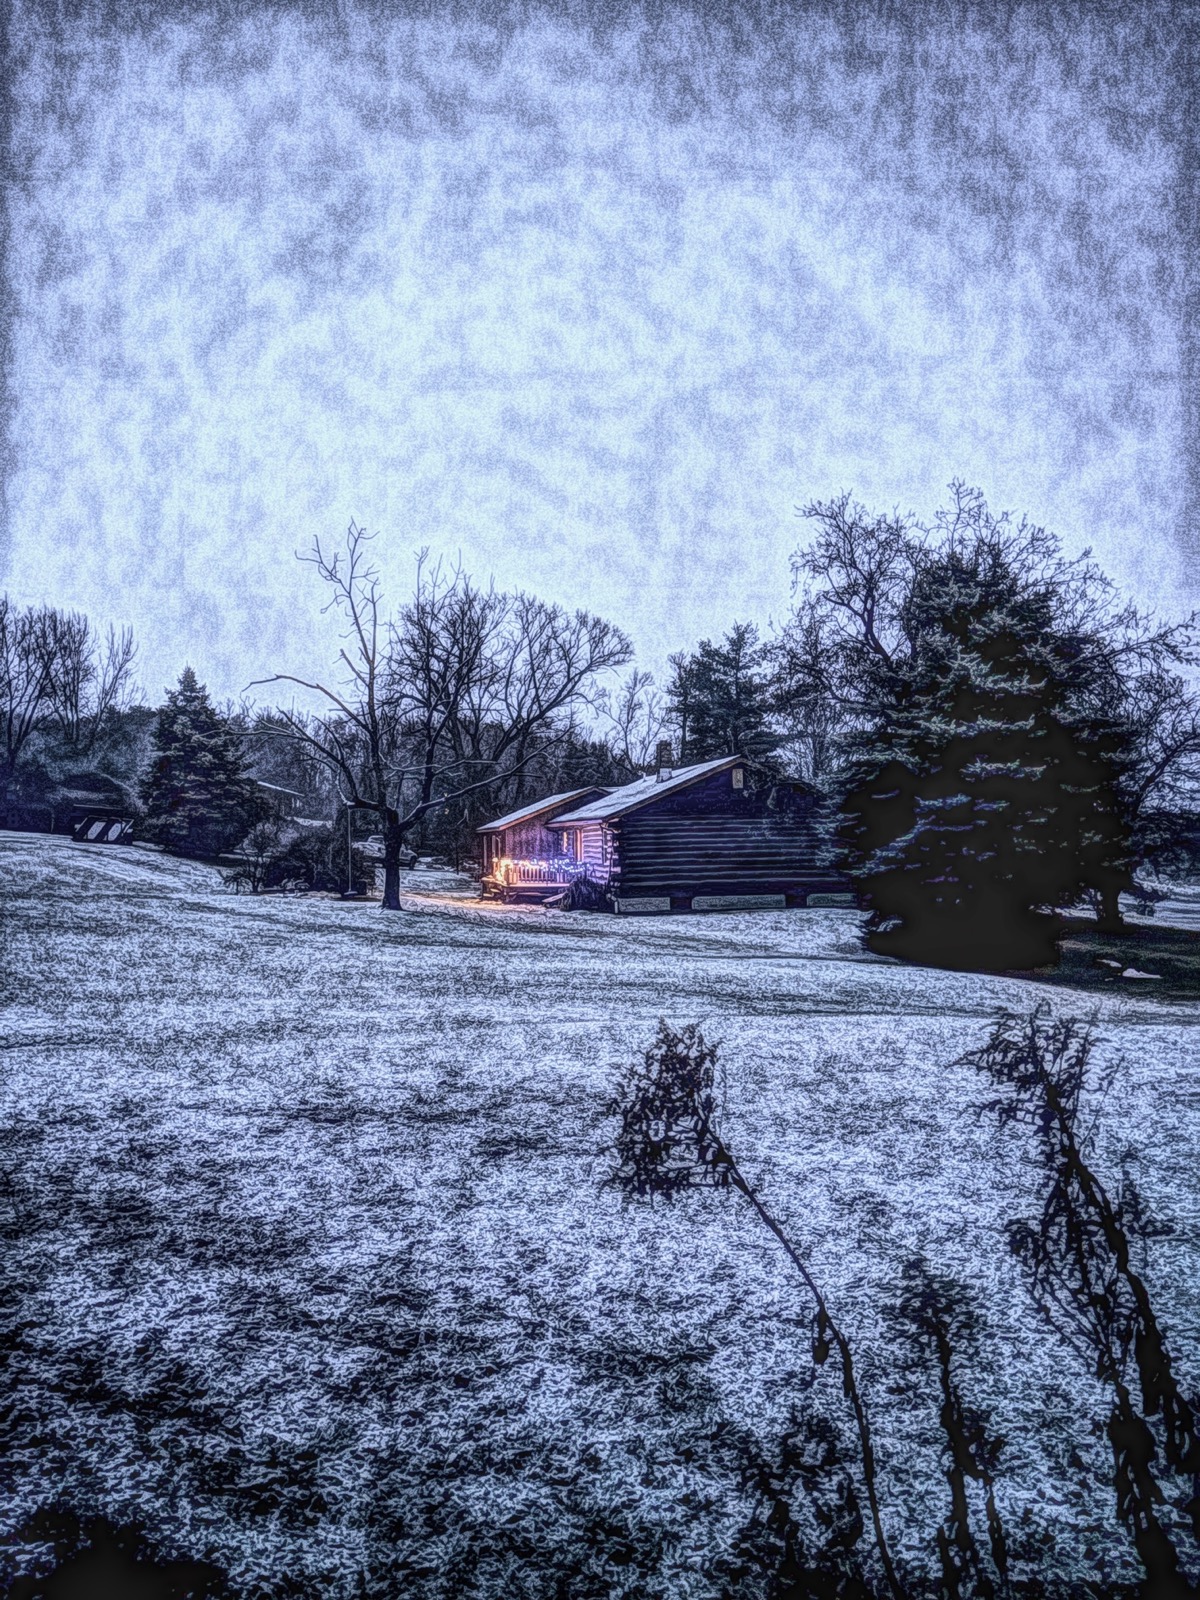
{"x": 1110, "y": 919}
{"x": 393, "y": 838}
{"x": 394, "y": 842}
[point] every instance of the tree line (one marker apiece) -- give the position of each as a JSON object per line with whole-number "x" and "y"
{"x": 994, "y": 733}
{"x": 998, "y": 734}
{"x": 462, "y": 699}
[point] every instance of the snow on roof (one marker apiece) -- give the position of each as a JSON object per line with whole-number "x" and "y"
{"x": 637, "y": 794}
{"x": 277, "y": 788}
{"x": 536, "y": 809}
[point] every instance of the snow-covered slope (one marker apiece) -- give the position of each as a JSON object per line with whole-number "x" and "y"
{"x": 309, "y": 1267}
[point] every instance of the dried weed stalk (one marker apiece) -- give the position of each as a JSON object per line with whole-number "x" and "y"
{"x": 938, "y": 1323}
{"x": 669, "y": 1141}
{"x": 1078, "y": 1260}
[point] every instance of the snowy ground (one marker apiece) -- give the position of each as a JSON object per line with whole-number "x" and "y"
{"x": 309, "y": 1269}
{"x": 1179, "y": 907}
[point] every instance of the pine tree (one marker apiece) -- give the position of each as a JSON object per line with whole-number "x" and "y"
{"x": 720, "y": 698}
{"x": 198, "y": 798}
{"x": 987, "y": 797}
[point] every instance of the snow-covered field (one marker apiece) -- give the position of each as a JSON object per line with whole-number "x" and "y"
{"x": 308, "y": 1266}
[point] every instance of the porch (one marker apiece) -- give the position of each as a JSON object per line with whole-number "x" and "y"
{"x": 532, "y": 879}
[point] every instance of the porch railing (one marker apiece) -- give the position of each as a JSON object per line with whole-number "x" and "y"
{"x": 557, "y": 870}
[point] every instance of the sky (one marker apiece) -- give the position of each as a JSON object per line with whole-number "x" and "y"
{"x": 590, "y": 301}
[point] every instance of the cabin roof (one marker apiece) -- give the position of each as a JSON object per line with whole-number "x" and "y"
{"x": 538, "y": 806}
{"x": 91, "y": 787}
{"x": 642, "y": 791}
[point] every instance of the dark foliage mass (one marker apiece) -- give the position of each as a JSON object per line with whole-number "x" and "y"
{"x": 583, "y": 894}
{"x": 278, "y": 855}
{"x": 988, "y": 799}
{"x": 94, "y": 1559}
{"x": 1079, "y": 1259}
{"x": 994, "y": 748}
{"x": 198, "y": 796}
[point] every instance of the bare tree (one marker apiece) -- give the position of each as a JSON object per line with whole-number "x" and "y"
{"x": 26, "y": 663}
{"x": 86, "y": 679}
{"x": 635, "y": 719}
{"x": 454, "y": 695}
{"x": 536, "y": 668}
{"x": 55, "y": 674}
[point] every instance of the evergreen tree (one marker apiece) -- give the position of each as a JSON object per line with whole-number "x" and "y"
{"x": 681, "y": 700}
{"x": 198, "y": 798}
{"x": 1117, "y": 684}
{"x": 988, "y": 796}
{"x": 720, "y": 699}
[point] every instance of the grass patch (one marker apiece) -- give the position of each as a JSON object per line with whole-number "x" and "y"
{"x": 1172, "y": 955}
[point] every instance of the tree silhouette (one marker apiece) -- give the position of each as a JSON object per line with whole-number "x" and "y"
{"x": 198, "y": 797}
{"x": 721, "y": 697}
{"x": 987, "y": 798}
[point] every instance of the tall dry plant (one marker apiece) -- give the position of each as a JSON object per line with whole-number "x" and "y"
{"x": 669, "y": 1142}
{"x": 1078, "y": 1260}
{"x": 937, "y": 1322}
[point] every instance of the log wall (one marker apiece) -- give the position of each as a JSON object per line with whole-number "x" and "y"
{"x": 713, "y": 839}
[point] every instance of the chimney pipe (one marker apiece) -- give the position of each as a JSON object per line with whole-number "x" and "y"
{"x": 663, "y": 759}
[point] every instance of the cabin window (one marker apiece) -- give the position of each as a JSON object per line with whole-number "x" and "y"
{"x": 739, "y": 778}
{"x": 577, "y": 837}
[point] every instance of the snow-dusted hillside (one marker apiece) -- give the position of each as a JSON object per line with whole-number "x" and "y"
{"x": 309, "y": 1268}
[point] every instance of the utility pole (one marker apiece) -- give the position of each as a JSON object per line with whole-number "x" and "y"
{"x": 351, "y": 807}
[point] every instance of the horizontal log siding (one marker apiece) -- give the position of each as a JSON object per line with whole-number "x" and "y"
{"x": 593, "y": 848}
{"x": 722, "y": 855}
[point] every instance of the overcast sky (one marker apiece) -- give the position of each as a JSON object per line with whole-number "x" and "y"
{"x": 595, "y": 307}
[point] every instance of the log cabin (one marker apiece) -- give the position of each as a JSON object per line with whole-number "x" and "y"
{"x": 720, "y": 835}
